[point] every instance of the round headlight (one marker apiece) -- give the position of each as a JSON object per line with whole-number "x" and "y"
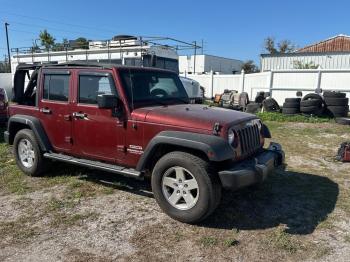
{"x": 231, "y": 137}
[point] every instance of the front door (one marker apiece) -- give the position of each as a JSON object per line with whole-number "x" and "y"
{"x": 97, "y": 132}
{"x": 54, "y": 105}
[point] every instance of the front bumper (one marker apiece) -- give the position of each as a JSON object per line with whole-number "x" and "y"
{"x": 253, "y": 170}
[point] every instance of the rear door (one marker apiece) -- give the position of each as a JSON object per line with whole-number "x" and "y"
{"x": 97, "y": 133}
{"x": 54, "y": 105}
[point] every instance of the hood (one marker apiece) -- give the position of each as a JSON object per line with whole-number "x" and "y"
{"x": 191, "y": 116}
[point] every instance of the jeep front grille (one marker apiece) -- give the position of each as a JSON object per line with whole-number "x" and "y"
{"x": 249, "y": 137}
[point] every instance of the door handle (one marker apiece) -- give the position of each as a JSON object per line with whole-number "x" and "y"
{"x": 46, "y": 110}
{"x": 79, "y": 115}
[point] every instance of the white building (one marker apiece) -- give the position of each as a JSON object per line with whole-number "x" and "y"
{"x": 201, "y": 64}
{"x": 130, "y": 51}
{"x": 332, "y": 53}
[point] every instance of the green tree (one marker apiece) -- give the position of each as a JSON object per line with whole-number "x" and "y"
{"x": 269, "y": 44}
{"x": 284, "y": 46}
{"x": 304, "y": 65}
{"x": 46, "y": 39}
{"x": 81, "y": 43}
{"x": 250, "y": 67}
{"x": 57, "y": 47}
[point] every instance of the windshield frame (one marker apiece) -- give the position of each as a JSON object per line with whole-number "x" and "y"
{"x": 147, "y": 102}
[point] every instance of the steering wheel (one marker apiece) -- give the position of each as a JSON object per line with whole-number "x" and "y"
{"x": 159, "y": 93}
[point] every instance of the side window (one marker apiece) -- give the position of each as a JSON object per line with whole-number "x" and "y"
{"x": 90, "y": 86}
{"x": 56, "y": 87}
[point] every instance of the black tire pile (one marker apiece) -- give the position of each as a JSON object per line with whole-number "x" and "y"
{"x": 291, "y": 106}
{"x": 337, "y": 105}
{"x": 312, "y": 104}
{"x": 332, "y": 104}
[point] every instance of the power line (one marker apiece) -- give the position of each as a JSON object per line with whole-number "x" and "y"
{"x": 44, "y": 27}
{"x": 56, "y": 22}
{"x": 27, "y": 32}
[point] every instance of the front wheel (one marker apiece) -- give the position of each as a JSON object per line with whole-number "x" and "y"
{"x": 28, "y": 155}
{"x": 185, "y": 187}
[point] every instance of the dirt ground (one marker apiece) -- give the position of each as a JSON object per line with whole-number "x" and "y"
{"x": 75, "y": 214}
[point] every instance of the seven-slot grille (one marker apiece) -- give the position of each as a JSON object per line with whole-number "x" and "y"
{"x": 249, "y": 137}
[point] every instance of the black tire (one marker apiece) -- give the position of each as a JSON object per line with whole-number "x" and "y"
{"x": 331, "y": 101}
{"x": 267, "y": 94}
{"x": 338, "y": 111}
{"x": 290, "y": 111}
{"x": 343, "y": 120}
{"x": 311, "y": 102}
{"x": 39, "y": 163}
{"x": 271, "y": 105}
{"x": 312, "y": 96}
{"x": 293, "y": 100}
{"x": 310, "y": 109}
{"x": 208, "y": 183}
{"x": 333, "y": 94}
{"x": 259, "y": 99}
{"x": 252, "y": 108}
{"x": 291, "y": 105}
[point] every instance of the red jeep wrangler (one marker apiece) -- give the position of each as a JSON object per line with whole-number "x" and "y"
{"x": 136, "y": 121}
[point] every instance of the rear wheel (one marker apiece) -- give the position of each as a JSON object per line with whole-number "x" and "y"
{"x": 28, "y": 155}
{"x": 185, "y": 187}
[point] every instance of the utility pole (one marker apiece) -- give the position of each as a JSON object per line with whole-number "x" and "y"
{"x": 8, "y": 45}
{"x": 195, "y": 54}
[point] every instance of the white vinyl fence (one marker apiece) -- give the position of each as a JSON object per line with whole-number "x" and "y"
{"x": 6, "y": 83}
{"x": 281, "y": 84}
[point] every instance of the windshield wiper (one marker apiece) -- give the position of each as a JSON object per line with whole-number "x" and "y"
{"x": 184, "y": 100}
{"x": 158, "y": 101}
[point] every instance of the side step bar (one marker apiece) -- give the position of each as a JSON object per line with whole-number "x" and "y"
{"x": 95, "y": 165}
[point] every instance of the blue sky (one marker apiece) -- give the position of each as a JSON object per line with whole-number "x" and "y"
{"x": 234, "y": 29}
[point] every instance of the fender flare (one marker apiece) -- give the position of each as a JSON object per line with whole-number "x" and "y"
{"x": 34, "y": 124}
{"x": 215, "y": 148}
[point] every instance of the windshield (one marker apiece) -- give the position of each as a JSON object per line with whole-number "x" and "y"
{"x": 146, "y": 88}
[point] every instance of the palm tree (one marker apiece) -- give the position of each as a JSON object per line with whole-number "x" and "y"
{"x": 46, "y": 39}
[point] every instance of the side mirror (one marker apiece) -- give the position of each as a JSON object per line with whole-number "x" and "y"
{"x": 107, "y": 101}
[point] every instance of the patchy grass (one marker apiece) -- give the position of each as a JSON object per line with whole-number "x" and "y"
{"x": 231, "y": 242}
{"x": 18, "y": 231}
{"x": 280, "y": 239}
{"x": 278, "y": 117}
{"x": 208, "y": 241}
{"x": 67, "y": 220}
{"x": 347, "y": 238}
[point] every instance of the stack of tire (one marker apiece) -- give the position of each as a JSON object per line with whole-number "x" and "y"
{"x": 337, "y": 104}
{"x": 271, "y": 105}
{"x": 312, "y": 104}
{"x": 291, "y": 106}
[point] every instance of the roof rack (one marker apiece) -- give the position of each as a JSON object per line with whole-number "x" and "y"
{"x": 80, "y": 64}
